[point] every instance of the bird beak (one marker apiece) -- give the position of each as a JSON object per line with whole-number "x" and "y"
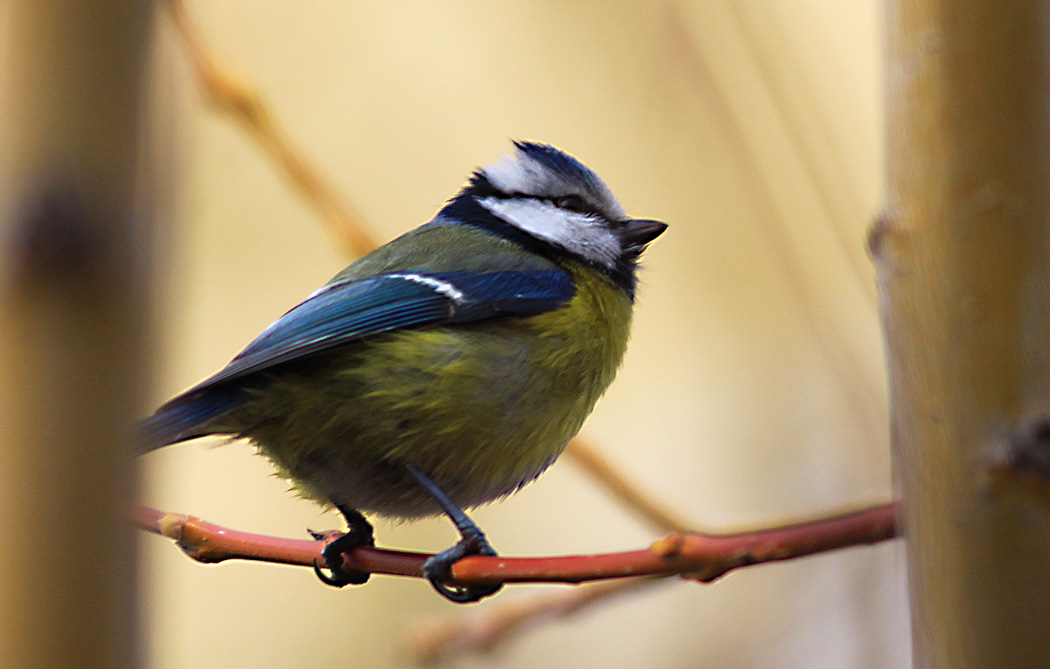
{"x": 638, "y": 232}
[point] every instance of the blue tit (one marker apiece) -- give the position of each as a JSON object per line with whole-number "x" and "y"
{"x": 445, "y": 369}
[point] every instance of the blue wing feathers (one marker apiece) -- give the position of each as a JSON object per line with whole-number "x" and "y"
{"x": 521, "y": 293}
{"x": 345, "y": 312}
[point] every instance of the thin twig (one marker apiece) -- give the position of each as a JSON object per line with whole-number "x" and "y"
{"x": 702, "y": 557}
{"x": 601, "y": 470}
{"x": 500, "y": 622}
{"x": 432, "y": 641}
{"x": 842, "y": 359}
{"x": 233, "y": 96}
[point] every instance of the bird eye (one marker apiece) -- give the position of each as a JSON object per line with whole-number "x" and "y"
{"x": 572, "y": 203}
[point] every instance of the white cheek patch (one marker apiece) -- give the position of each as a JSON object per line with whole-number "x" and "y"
{"x": 578, "y": 233}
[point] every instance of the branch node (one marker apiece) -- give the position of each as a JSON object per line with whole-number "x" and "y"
{"x": 882, "y": 227}
{"x": 1028, "y": 449}
{"x": 172, "y": 525}
{"x": 669, "y": 547}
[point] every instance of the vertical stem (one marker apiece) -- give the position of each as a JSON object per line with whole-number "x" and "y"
{"x": 73, "y": 272}
{"x": 964, "y": 273}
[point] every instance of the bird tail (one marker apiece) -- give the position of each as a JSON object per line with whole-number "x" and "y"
{"x": 187, "y": 417}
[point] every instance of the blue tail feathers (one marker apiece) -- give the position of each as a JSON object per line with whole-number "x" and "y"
{"x": 187, "y": 416}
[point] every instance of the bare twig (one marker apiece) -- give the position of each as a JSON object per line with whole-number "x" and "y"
{"x": 429, "y": 642}
{"x": 702, "y": 557}
{"x": 601, "y": 470}
{"x": 500, "y": 622}
{"x": 235, "y": 97}
{"x": 842, "y": 359}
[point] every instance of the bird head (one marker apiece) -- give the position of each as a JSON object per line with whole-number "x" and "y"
{"x": 554, "y": 204}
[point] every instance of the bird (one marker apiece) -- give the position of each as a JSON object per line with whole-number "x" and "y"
{"x": 445, "y": 369}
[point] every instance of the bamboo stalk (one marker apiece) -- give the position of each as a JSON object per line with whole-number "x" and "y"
{"x": 964, "y": 274}
{"x": 73, "y": 270}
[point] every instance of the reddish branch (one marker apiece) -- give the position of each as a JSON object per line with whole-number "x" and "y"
{"x": 703, "y": 557}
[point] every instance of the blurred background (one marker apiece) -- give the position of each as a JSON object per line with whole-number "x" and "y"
{"x": 753, "y": 389}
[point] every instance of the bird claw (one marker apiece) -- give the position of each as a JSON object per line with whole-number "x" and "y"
{"x": 438, "y": 570}
{"x": 333, "y": 556}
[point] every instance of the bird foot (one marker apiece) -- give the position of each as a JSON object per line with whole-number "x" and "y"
{"x": 356, "y": 535}
{"x": 438, "y": 569}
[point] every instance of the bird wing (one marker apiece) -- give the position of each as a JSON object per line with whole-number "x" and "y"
{"x": 344, "y": 312}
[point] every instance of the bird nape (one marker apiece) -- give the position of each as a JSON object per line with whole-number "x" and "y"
{"x": 445, "y": 369}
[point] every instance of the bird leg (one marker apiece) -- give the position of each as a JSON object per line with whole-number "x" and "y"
{"x": 438, "y": 569}
{"x": 358, "y": 533}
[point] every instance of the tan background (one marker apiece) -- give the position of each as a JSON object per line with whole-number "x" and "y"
{"x": 753, "y": 389}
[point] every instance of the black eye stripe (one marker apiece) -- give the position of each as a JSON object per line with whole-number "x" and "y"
{"x": 571, "y": 202}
